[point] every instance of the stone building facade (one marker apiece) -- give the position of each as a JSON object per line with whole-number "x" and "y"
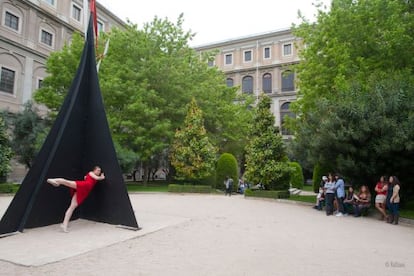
{"x": 261, "y": 64}
{"x": 29, "y": 31}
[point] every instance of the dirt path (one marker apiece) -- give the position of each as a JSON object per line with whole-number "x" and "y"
{"x": 217, "y": 235}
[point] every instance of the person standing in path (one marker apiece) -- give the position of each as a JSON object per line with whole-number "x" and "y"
{"x": 229, "y": 185}
{"x": 340, "y": 194}
{"x": 329, "y": 194}
{"x": 381, "y": 190}
{"x": 395, "y": 199}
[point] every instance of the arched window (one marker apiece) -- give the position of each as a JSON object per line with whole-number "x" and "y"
{"x": 229, "y": 82}
{"x": 247, "y": 84}
{"x": 288, "y": 78}
{"x": 285, "y": 112}
{"x": 267, "y": 83}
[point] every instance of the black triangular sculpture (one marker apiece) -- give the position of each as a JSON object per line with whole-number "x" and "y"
{"x": 79, "y": 139}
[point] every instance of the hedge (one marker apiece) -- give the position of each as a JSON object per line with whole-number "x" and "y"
{"x": 177, "y": 188}
{"x": 266, "y": 194}
{"x": 8, "y": 188}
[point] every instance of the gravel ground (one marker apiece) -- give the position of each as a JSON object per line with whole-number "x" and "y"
{"x": 213, "y": 235}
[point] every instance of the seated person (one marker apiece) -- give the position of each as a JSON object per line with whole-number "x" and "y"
{"x": 349, "y": 201}
{"x": 362, "y": 201}
{"x": 320, "y": 198}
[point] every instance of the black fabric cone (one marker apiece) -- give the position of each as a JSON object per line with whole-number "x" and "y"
{"x": 79, "y": 139}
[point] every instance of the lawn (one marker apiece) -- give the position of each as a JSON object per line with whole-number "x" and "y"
{"x": 307, "y": 198}
{"x": 308, "y": 188}
{"x": 150, "y": 187}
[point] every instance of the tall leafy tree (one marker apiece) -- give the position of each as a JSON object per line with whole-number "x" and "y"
{"x": 356, "y": 83}
{"x": 28, "y": 130}
{"x": 147, "y": 78}
{"x": 192, "y": 154}
{"x": 5, "y": 150}
{"x": 266, "y": 159}
{"x": 61, "y": 67}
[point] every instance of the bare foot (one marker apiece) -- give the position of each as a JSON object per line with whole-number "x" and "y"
{"x": 64, "y": 228}
{"x": 52, "y": 181}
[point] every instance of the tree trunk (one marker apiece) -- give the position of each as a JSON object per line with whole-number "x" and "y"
{"x": 146, "y": 175}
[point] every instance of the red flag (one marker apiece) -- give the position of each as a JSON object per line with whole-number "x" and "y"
{"x": 95, "y": 20}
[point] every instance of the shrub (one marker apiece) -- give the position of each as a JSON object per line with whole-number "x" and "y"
{"x": 296, "y": 175}
{"x": 226, "y": 166}
{"x": 318, "y": 172}
{"x": 177, "y": 188}
{"x": 266, "y": 194}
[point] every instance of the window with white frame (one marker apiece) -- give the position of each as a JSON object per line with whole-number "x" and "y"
{"x": 46, "y": 38}
{"x": 210, "y": 63}
{"x": 7, "y": 80}
{"x": 11, "y": 21}
{"x": 39, "y": 83}
{"x": 267, "y": 83}
{"x": 228, "y": 59}
{"x": 285, "y": 112}
{"x": 288, "y": 81}
{"x": 266, "y": 53}
{"x": 287, "y": 49}
{"x": 229, "y": 82}
{"x": 100, "y": 27}
{"x": 51, "y": 2}
{"x": 247, "y": 84}
{"x": 248, "y": 56}
{"x": 76, "y": 12}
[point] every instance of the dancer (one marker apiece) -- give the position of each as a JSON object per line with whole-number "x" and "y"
{"x": 79, "y": 189}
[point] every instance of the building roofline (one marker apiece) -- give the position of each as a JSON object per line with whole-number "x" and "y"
{"x": 115, "y": 17}
{"x": 242, "y": 39}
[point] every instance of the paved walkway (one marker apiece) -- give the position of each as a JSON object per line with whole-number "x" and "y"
{"x": 213, "y": 235}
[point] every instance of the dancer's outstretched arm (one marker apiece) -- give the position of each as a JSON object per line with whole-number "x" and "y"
{"x": 97, "y": 177}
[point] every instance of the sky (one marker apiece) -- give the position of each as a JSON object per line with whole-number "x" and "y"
{"x": 217, "y": 20}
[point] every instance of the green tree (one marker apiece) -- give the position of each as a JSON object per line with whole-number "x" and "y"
{"x": 356, "y": 82}
{"x": 226, "y": 166}
{"x": 266, "y": 160}
{"x": 296, "y": 176}
{"x": 28, "y": 131}
{"x": 147, "y": 78}
{"x": 192, "y": 154}
{"x": 5, "y": 150}
{"x": 149, "y": 75}
{"x": 61, "y": 67}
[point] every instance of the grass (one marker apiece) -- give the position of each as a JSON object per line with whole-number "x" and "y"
{"x": 8, "y": 188}
{"x": 308, "y": 188}
{"x": 407, "y": 214}
{"x": 308, "y": 199}
{"x": 150, "y": 187}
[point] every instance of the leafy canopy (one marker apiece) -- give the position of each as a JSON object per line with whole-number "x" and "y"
{"x": 147, "y": 78}
{"x": 356, "y": 82}
{"x": 192, "y": 153}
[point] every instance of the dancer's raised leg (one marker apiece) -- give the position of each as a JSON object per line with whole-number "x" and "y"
{"x": 69, "y": 212}
{"x": 62, "y": 181}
